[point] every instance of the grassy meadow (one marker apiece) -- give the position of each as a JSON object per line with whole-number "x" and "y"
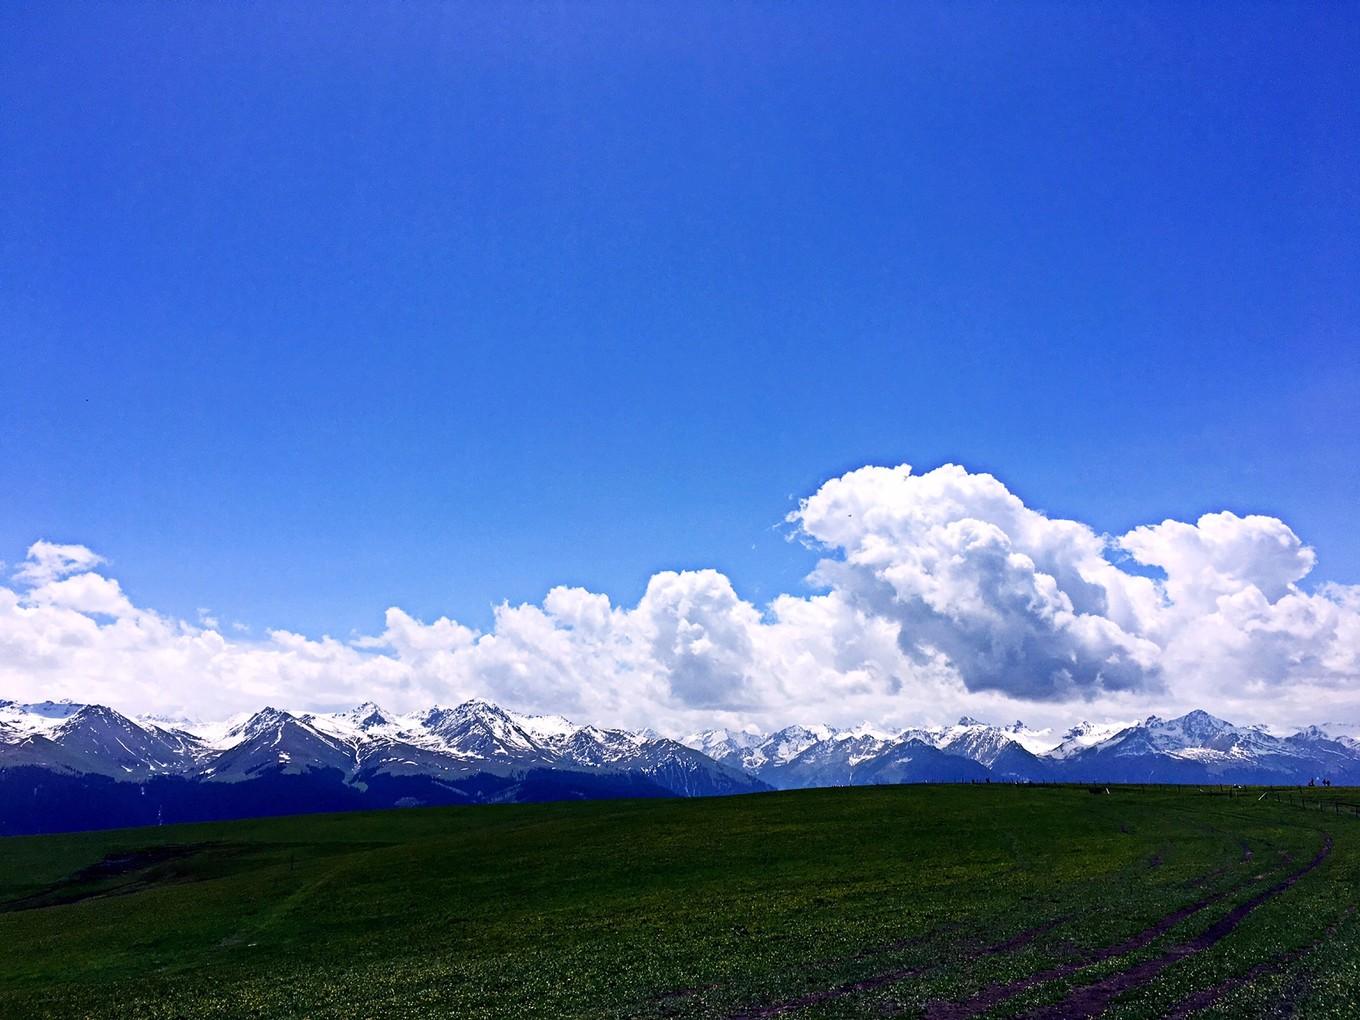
{"x": 915, "y": 901}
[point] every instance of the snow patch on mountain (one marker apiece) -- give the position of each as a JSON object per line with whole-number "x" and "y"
{"x": 42, "y": 717}
{"x": 721, "y": 743}
{"x": 1083, "y": 735}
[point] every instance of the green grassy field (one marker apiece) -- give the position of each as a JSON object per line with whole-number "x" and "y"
{"x": 943, "y": 902}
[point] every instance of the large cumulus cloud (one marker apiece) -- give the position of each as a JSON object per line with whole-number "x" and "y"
{"x": 936, "y": 593}
{"x": 1015, "y": 601}
{"x": 1234, "y": 615}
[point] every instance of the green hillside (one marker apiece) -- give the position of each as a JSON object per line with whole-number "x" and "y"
{"x": 946, "y": 901}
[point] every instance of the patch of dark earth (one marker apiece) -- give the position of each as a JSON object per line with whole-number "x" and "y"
{"x": 139, "y": 867}
{"x": 1207, "y": 997}
{"x": 1091, "y": 1000}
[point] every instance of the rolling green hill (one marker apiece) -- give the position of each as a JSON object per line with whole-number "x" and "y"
{"x": 936, "y": 901}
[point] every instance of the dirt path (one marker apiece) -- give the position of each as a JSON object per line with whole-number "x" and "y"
{"x": 1086, "y": 1001}
{"x": 889, "y": 977}
{"x": 1206, "y": 997}
{"x": 996, "y": 994}
{"x": 1091, "y": 1000}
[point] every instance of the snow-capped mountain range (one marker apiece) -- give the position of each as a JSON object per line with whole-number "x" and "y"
{"x": 474, "y": 737}
{"x": 1194, "y": 748}
{"x": 66, "y": 765}
{"x": 56, "y": 755}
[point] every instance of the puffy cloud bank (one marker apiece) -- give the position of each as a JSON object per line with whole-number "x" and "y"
{"x": 936, "y": 594}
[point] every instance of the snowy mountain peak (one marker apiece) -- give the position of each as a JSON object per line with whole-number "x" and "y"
{"x": 96, "y": 717}
{"x": 870, "y": 730}
{"x": 174, "y": 722}
{"x": 1083, "y": 735}
{"x": 1312, "y": 733}
{"x": 1193, "y": 728}
{"x": 62, "y": 709}
{"x": 1200, "y": 718}
{"x": 473, "y": 710}
{"x": 722, "y": 743}
{"x": 479, "y": 728}
{"x": 777, "y": 748}
{"x": 968, "y": 720}
{"x": 265, "y": 719}
{"x": 369, "y": 715}
{"x": 485, "y": 711}
{"x": 480, "y": 704}
{"x": 808, "y": 733}
{"x": 984, "y": 744}
{"x": 547, "y": 727}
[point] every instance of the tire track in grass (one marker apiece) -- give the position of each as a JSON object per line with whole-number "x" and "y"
{"x": 681, "y": 994}
{"x": 868, "y": 984}
{"x": 1010, "y": 945}
{"x": 1207, "y": 997}
{"x": 1091, "y": 1000}
{"x": 996, "y": 994}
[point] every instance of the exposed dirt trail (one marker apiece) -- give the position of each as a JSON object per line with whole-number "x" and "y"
{"x": 1206, "y": 997}
{"x": 1091, "y": 1000}
{"x": 996, "y": 994}
{"x": 888, "y": 977}
{"x": 1085, "y": 1001}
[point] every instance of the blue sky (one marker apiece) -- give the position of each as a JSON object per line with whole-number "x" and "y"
{"x": 311, "y": 311}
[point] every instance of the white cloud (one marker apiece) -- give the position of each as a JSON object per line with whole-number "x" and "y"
{"x": 1016, "y": 602}
{"x": 1222, "y": 554}
{"x": 942, "y": 594}
{"x": 88, "y": 593}
{"x": 47, "y": 561}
